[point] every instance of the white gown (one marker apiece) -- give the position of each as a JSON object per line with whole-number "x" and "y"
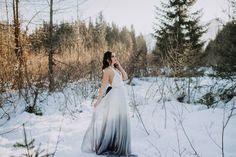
{"x": 109, "y": 130}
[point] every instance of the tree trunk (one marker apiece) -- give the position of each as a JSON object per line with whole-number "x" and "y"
{"x": 18, "y": 48}
{"x": 50, "y": 52}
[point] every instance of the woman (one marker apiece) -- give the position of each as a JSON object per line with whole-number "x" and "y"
{"x": 109, "y": 130}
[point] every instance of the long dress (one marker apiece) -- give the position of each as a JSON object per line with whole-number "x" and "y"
{"x": 109, "y": 130}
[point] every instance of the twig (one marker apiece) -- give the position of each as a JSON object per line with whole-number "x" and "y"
{"x": 58, "y": 137}
{"x": 138, "y": 113}
{"x": 213, "y": 139}
{"x": 11, "y": 130}
{"x": 225, "y": 125}
{"x": 159, "y": 152}
{"x": 190, "y": 143}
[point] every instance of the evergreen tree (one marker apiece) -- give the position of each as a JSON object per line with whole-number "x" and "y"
{"x": 141, "y": 56}
{"x": 125, "y": 38}
{"x": 63, "y": 36}
{"x": 195, "y": 32}
{"x": 115, "y": 32}
{"x": 138, "y": 62}
{"x": 112, "y": 35}
{"x": 133, "y": 38}
{"x": 223, "y": 48}
{"x": 100, "y": 32}
{"x": 178, "y": 33}
{"x": 221, "y": 52}
{"x": 109, "y": 36}
{"x": 89, "y": 38}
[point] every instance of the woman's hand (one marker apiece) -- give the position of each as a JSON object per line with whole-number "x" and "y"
{"x": 118, "y": 66}
{"x": 105, "y": 79}
{"x": 97, "y": 102}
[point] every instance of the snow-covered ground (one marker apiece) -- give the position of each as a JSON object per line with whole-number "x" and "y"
{"x": 160, "y": 125}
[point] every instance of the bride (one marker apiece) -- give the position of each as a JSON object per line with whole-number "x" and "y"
{"x": 109, "y": 130}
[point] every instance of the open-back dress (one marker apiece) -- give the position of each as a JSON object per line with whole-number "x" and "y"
{"x": 109, "y": 130}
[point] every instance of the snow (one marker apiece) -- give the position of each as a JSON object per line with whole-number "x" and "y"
{"x": 165, "y": 120}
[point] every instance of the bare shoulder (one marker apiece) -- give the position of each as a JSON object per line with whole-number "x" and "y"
{"x": 107, "y": 71}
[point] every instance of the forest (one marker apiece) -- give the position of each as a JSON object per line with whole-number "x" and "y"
{"x": 181, "y": 92}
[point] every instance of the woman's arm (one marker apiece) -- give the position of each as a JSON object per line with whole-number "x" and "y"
{"x": 105, "y": 79}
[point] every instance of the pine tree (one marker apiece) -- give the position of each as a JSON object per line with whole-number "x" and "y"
{"x": 125, "y": 38}
{"x": 223, "y": 48}
{"x": 141, "y": 56}
{"x": 100, "y": 32}
{"x": 178, "y": 33}
{"x": 195, "y": 32}
{"x": 221, "y": 52}
{"x": 90, "y": 36}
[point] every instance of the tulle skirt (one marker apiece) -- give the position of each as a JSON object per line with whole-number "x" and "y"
{"x": 109, "y": 130}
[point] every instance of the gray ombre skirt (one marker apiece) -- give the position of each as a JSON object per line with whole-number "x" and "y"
{"x": 109, "y": 130}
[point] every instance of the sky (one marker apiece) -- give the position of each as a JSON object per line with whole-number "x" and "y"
{"x": 139, "y": 13}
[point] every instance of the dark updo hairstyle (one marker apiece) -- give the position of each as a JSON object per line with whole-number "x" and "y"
{"x": 107, "y": 56}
